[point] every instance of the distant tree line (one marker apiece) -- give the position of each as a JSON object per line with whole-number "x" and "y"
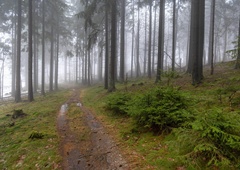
{"x": 84, "y": 41}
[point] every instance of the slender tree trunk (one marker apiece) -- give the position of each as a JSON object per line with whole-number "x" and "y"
{"x": 86, "y": 60}
{"x": 211, "y": 36}
{"x": 161, "y": 40}
{"x": 30, "y": 53}
{"x": 89, "y": 68}
{"x": 14, "y": 45}
{"x": 56, "y": 61}
{"x": 18, "y": 60}
{"x": 237, "y": 66}
{"x": 174, "y": 36}
{"x": 77, "y": 59}
{"x": 122, "y": 50}
{"x": 138, "y": 39}
{"x": 150, "y": 40}
{"x": 43, "y": 48}
{"x": 154, "y": 39}
{"x": 51, "y": 60}
{"x": 100, "y": 64}
{"x": 35, "y": 32}
{"x": 106, "y": 48}
{"x": 133, "y": 32}
{"x": 145, "y": 46}
{"x": 113, "y": 46}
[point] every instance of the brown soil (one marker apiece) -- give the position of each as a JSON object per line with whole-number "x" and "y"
{"x": 97, "y": 151}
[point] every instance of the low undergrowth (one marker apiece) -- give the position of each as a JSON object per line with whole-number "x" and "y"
{"x": 28, "y": 136}
{"x": 202, "y": 123}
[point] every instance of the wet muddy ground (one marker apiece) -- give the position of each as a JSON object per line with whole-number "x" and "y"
{"x": 97, "y": 151}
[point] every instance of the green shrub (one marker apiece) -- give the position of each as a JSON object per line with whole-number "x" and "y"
{"x": 36, "y": 135}
{"x": 118, "y": 102}
{"x": 215, "y": 139}
{"x": 161, "y": 109}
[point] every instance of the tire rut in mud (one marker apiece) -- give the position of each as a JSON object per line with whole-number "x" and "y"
{"x": 97, "y": 152}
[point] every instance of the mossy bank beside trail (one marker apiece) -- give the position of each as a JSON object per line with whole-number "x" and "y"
{"x": 174, "y": 125}
{"x": 169, "y": 125}
{"x": 28, "y": 134}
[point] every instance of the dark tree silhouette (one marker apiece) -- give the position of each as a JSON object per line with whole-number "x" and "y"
{"x": 30, "y": 52}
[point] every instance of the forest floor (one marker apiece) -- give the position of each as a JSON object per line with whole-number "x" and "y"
{"x": 84, "y": 143}
{"x": 73, "y": 129}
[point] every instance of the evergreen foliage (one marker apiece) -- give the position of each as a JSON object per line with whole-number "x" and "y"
{"x": 160, "y": 109}
{"x": 213, "y": 138}
{"x": 117, "y": 102}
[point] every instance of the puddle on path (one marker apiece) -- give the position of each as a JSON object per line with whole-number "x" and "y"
{"x": 100, "y": 152}
{"x": 69, "y": 145}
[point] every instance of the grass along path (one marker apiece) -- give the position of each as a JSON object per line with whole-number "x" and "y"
{"x": 17, "y": 150}
{"x": 147, "y": 150}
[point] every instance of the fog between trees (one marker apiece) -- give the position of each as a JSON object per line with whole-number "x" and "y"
{"x": 45, "y": 43}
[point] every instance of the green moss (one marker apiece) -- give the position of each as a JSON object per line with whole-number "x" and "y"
{"x": 20, "y": 152}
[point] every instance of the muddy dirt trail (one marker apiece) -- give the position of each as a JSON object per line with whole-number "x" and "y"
{"x": 98, "y": 152}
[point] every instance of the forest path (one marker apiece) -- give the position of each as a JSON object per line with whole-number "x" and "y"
{"x": 84, "y": 143}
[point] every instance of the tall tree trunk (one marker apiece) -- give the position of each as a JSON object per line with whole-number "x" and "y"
{"x": 106, "y": 48}
{"x": 138, "y": 43}
{"x": 122, "y": 50}
{"x": 18, "y": 60}
{"x": 174, "y": 36}
{"x": 133, "y": 32}
{"x": 161, "y": 40}
{"x": 211, "y": 36}
{"x": 145, "y": 46}
{"x": 150, "y": 40}
{"x": 56, "y": 60}
{"x": 154, "y": 39}
{"x": 86, "y": 59}
{"x": 14, "y": 45}
{"x": 113, "y": 46}
{"x": 30, "y": 52}
{"x": 35, "y": 32}
{"x": 83, "y": 62}
{"x": 100, "y": 64}
{"x": 51, "y": 60}
{"x": 237, "y": 66}
{"x": 89, "y": 67}
{"x": 43, "y": 48}
{"x": 197, "y": 39}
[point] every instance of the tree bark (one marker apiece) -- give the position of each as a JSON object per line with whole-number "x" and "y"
{"x": 106, "y": 48}
{"x": 145, "y": 47}
{"x": 43, "y": 48}
{"x": 237, "y": 66}
{"x": 174, "y": 36}
{"x": 111, "y": 87}
{"x": 30, "y": 53}
{"x": 35, "y": 32}
{"x": 122, "y": 48}
{"x": 154, "y": 40}
{"x": 138, "y": 39}
{"x": 14, "y": 45}
{"x": 161, "y": 41}
{"x": 211, "y": 36}
{"x": 51, "y": 59}
{"x": 18, "y": 60}
{"x": 197, "y": 39}
{"x": 56, "y": 60}
{"x": 150, "y": 40}
{"x": 133, "y": 32}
